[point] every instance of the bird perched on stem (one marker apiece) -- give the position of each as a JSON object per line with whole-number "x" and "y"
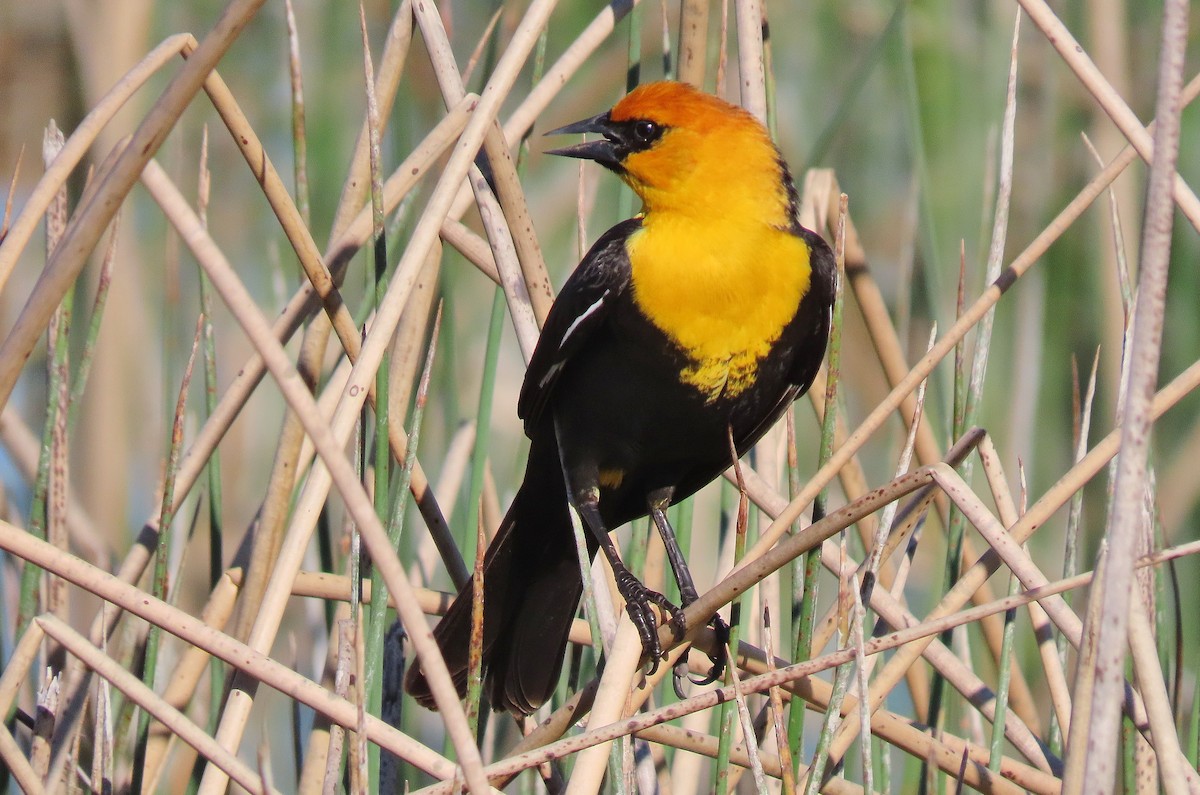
{"x": 699, "y": 320}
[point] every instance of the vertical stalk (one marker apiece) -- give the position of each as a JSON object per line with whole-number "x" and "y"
{"x": 483, "y": 416}
{"x": 216, "y": 555}
{"x": 374, "y": 627}
{"x": 812, "y": 560}
{"x": 401, "y": 491}
{"x": 728, "y": 712}
{"x": 1010, "y": 618}
{"x": 58, "y": 333}
{"x": 162, "y": 553}
{"x": 1192, "y": 749}
{"x": 1096, "y": 755}
{"x": 633, "y": 77}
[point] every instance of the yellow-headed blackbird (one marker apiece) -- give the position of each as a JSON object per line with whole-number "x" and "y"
{"x": 702, "y": 317}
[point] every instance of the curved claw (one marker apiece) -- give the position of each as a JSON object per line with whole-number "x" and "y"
{"x": 714, "y": 674}
{"x": 678, "y": 675}
{"x": 642, "y": 616}
{"x": 719, "y": 660}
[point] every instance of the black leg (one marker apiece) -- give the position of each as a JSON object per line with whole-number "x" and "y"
{"x": 658, "y": 502}
{"x": 638, "y": 598}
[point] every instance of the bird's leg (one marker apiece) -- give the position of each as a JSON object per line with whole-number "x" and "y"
{"x": 658, "y": 502}
{"x": 638, "y": 598}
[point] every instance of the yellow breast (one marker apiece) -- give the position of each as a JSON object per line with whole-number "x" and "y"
{"x": 722, "y": 292}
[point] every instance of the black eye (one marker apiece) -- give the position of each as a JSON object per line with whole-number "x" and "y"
{"x": 646, "y": 131}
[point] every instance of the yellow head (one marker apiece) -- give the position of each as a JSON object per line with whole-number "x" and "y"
{"x": 682, "y": 150}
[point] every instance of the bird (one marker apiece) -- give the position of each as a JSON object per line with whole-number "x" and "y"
{"x": 692, "y": 325}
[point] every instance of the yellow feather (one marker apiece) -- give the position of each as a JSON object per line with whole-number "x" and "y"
{"x": 723, "y": 295}
{"x": 713, "y": 266}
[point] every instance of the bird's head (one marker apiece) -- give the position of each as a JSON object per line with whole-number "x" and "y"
{"x": 679, "y": 147}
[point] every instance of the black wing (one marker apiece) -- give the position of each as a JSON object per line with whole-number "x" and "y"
{"x": 581, "y": 307}
{"x": 816, "y": 310}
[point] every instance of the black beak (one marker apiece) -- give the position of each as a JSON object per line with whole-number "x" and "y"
{"x": 605, "y": 151}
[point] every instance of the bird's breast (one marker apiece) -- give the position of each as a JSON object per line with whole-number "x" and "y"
{"x": 723, "y": 295}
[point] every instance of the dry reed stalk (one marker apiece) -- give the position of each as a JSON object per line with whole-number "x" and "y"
{"x": 359, "y": 777}
{"x": 787, "y": 774}
{"x": 112, "y": 672}
{"x": 249, "y": 375}
{"x": 6, "y": 219}
{"x": 1178, "y": 777}
{"x": 473, "y": 247}
{"x": 325, "y": 440}
{"x": 185, "y": 677}
{"x": 341, "y": 686}
{"x": 508, "y": 266}
{"x": 103, "y": 741}
{"x": 942, "y": 755}
{"x": 1095, "y": 743}
{"x": 780, "y": 676}
{"x": 509, "y": 195}
{"x": 1076, "y": 57}
{"x": 889, "y": 350}
{"x": 1056, "y": 677}
{"x": 403, "y": 178}
{"x": 12, "y": 679}
{"x": 893, "y": 727}
{"x": 23, "y": 227}
{"x": 693, "y": 41}
{"x": 943, "y": 659}
{"x": 190, "y": 629}
{"x": 921, "y": 370}
{"x": 57, "y": 377}
{"x": 362, "y": 374}
{"x": 90, "y": 221}
{"x": 23, "y": 446}
{"x": 13, "y": 755}
{"x": 751, "y": 65}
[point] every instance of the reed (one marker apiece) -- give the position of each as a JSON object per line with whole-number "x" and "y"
{"x": 904, "y": 557}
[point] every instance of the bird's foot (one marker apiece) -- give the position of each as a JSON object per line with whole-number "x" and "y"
{"x": 718, "y": 658}
{"x": 639, "y": 601}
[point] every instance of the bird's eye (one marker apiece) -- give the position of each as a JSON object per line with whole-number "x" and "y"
{"x": 645, "y": 131}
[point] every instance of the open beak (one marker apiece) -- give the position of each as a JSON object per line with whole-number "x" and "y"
{"x": 603, "y": 150}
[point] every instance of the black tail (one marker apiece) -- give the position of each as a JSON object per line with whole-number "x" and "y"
{"x": 531, "y": 591}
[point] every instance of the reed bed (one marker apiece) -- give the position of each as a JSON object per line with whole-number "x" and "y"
{"x": 265, "y": 312}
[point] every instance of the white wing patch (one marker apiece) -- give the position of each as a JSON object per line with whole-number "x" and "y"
{"x": 584, "y": 316}
{"x": 550, "y": 373}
